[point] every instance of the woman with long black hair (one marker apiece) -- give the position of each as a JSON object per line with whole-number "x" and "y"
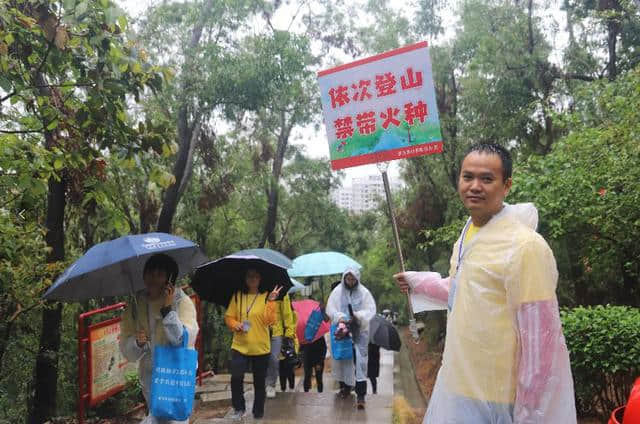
{"x": 249, "y": 315}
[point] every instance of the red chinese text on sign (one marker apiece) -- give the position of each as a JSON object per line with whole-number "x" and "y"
{"x": 385, "y": 93}
{"x": 385, "y": 84}
{"x": 411, "y": 80}
{"x": 418, "y": 111}
{"x": 390, "y": 117}
{"x": 361, "y": 92}
{"x": 344, "y": 127}
{"x": 339, "y": 96}
{"x": 366, "y": 122}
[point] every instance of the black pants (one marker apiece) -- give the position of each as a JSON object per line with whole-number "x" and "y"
{"x": 239, "y": 365}
{"x": 313, "y": 360}
{"x": 286, "y": 375}
{"x": 374, "y": 384}
{"x": 361, "y": 388}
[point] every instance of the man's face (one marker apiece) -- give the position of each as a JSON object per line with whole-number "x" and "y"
{"x": 350, "y": 280}
{"x": 481, "y": 186}
{"x": 155, "y": 281}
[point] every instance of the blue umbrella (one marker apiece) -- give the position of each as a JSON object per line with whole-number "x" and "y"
{"x": 297, "y": 286}
{"x": 322, "y": 263}
{"x": 114, "y": 268}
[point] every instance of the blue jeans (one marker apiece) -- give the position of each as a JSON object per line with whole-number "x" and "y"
{"x": 274, "y": 360}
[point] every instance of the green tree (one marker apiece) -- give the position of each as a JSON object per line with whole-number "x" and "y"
{"x": 586, "y": 194}
{"x": 218, "y": 74}
{"x": 66, "y": 68}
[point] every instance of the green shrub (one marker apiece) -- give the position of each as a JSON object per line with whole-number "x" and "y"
{"x": 604, "y": 346}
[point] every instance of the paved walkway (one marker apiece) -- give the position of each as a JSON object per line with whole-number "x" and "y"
{"x": 300, "y": 408}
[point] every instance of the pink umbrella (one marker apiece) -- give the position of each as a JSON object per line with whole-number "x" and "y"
{"x": 303, "y": 309}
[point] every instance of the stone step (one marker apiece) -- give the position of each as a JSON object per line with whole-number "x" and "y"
{"x": 212, "y": 387}
{"x": 216, "y": 400}
{"x": 226, "y": 378}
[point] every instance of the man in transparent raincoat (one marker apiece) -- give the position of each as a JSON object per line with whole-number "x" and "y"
{"x": 505, "y": 359}
{"x": 352, "y": 302}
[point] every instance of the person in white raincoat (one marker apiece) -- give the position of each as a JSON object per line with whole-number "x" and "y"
{"x": 162, "y": 311}
{"x": 505, "y": 359}
{"x": 351, "y": 294}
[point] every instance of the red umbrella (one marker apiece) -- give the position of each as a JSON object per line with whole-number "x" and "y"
{"x": 304, "y": 308}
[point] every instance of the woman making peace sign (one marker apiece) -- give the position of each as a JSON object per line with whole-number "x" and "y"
{"x": 249, "y": 315}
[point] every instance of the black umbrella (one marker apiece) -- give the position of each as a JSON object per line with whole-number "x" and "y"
{"x": 384, "y": 334}
{"x": 268, "y": 255}
{"x": 218, "y": 280}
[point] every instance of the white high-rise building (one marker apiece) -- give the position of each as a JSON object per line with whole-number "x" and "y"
{"x": 363, "y": 194}
{"x": 343, "y": 198}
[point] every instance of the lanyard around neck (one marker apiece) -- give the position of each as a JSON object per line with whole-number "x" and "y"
{"x": 252, "y": 303}
{"x": 464, "y": 235}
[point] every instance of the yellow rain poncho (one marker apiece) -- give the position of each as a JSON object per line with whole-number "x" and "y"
{"x": 505, "y": 358}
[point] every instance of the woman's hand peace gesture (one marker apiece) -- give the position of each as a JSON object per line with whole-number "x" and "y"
{"x": 275, "y": 293}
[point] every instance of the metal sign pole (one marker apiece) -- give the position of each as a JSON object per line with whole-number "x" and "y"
{"x": 382, "y": 167}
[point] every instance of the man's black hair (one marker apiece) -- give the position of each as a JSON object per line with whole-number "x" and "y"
{"x": 162, "y": 262}
{"x": 495, "y": 149}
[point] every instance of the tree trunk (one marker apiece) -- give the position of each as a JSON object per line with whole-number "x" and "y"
{"x": 549, "y": 133}
{"x": 576, "y": 273}
{"x": 45, "y": 381}
{"x": 188, "y": 134}
{"x": 181, "y": 170}
{"x": 43, "y": 405}
{"x": 4, "y": 341}
{"x": 269, "y": 233}
{"x": 612, "y": 38}
{"x": 531, "y": 41}
{"x": 147, "y": 209}
{"x": 628, "y": 296}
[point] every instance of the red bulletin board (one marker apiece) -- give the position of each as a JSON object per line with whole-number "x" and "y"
{"x": 106, "y": 364}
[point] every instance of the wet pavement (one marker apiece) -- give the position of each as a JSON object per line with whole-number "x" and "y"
{"x": 300, "y": 408}
{"x": 405, "y": 383}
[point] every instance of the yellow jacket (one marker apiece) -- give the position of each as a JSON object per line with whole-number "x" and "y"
{"x": 296, "y": 343}
{"x": 284, "y": 325}
{"x": 261, "y": 315}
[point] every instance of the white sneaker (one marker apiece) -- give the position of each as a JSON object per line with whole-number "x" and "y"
{"x": 271, "y": 392}
{"x": 236, "y": 415}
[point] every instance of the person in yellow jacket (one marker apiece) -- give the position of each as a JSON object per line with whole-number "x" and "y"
{"x": 289, "y": 359}
{"x": 283, "y": 330}
{"x": 157, "y": 317}
{"x": 249, "y": 315}
{"x": 505, "y": 359}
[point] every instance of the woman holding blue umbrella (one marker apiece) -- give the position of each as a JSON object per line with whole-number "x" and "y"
{"x": 159, "y": 316}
